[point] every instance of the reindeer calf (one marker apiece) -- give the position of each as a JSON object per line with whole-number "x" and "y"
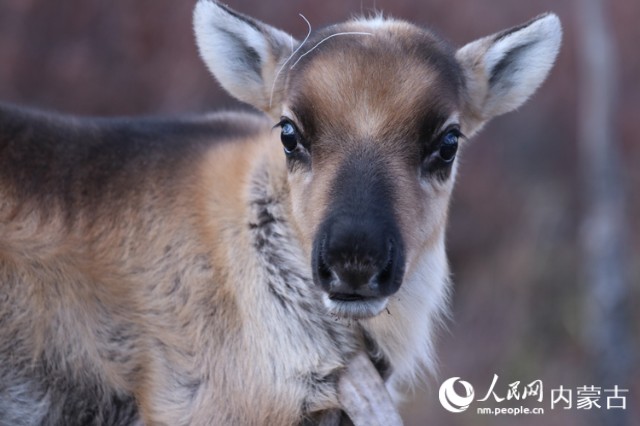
{"x": 214, "y": 270}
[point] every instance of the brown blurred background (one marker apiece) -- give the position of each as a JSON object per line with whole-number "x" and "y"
{"x": 523, "y": 302}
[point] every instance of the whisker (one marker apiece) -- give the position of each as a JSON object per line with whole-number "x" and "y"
{"x": 325, "y": 39}
{"x": 275, "y": 79}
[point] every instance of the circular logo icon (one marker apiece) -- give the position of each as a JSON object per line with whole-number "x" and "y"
{"x": 450, "y": 399}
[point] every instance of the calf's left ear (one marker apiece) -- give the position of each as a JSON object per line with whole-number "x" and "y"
{"x": 504, "y": 69}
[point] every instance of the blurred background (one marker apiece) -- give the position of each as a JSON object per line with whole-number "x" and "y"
{"x": 543, "y": 240}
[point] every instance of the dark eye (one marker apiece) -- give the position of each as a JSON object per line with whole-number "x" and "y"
{"x": 289, "y": 137}
{"x": 449, "y": 146}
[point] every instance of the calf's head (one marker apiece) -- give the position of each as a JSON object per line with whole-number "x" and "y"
{"x": 371, "y": 115}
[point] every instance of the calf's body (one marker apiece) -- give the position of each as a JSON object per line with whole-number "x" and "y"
{"x": 119, "y": 287}
{"x": 186, "y": 271}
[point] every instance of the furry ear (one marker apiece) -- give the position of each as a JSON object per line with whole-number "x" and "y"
{"x": 242, "y": 53}
{"x": 503, "y": 70}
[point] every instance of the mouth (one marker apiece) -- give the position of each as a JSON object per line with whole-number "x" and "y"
{"x": 353, "y": 306}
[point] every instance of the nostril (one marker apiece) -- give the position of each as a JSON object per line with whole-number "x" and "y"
{"x": 324, "y": 271}
{"x": 386, "y": 273}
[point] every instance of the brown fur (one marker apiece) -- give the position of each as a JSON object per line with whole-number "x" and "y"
{"x": 125, "y": 287}
{"x": 158, "y": 271}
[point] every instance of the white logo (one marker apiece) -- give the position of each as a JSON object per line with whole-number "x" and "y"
{"x": 450, "y": 399}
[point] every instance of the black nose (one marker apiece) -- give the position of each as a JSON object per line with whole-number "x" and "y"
{"x": 355, "y": 258}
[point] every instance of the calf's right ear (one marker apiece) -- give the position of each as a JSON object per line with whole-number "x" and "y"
{"x": 243, "y": 54}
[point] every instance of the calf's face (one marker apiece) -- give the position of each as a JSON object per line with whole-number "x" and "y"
{"x": 370, "y": 132}
{"x": 371, "y": 114}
